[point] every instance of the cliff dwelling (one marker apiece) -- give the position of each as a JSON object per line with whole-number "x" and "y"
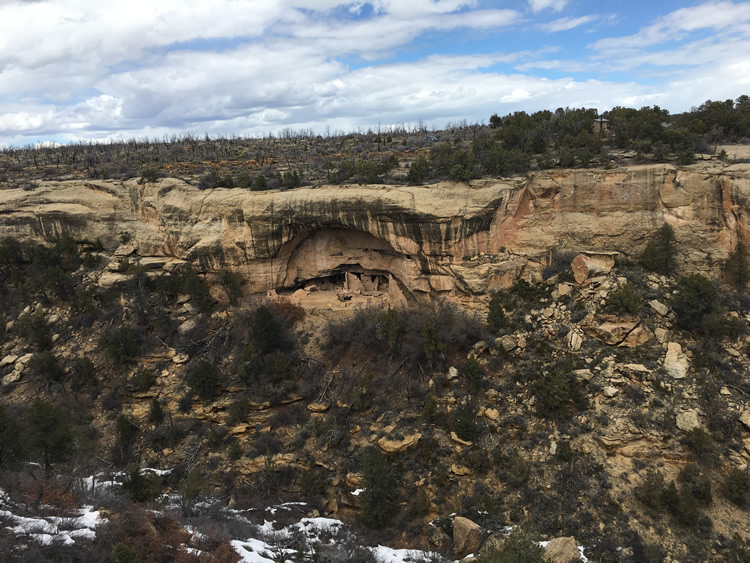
{"x": 344, "y": 265}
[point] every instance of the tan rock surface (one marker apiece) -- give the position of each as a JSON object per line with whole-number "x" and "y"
{"x": 398, "y": 445}
{"x": 562, "y": 550}
{"x": 415, "y": 237}
{"x": 467, "y": 536}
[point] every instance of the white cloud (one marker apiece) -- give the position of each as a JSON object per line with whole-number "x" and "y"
{"x": 554, "y": 5}
{"x": 89, "y": 69}
{"x": 564, "y": 24}
{"x": 716, "y": 16}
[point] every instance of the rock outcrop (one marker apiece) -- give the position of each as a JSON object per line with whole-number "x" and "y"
{"x": 403, "y": 242}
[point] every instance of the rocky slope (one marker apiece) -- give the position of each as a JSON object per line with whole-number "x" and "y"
{"x": 418, "y": 238}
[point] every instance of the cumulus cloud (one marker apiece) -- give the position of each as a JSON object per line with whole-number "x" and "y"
{"x": 88, "y": 69}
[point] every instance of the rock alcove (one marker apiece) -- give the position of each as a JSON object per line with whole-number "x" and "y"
{"x": 350, "y": 263}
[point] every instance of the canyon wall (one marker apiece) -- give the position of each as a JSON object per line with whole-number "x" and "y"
{"x": 438, "y": 238}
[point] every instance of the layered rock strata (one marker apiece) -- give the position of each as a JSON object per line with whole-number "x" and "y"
{"x": 414, "y": 241}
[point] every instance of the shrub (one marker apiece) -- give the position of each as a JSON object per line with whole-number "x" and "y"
{"x": 434, "y": 348}
{"x": 736, "y": 487}
{"x": 232, "y": 284}
{"x": 202, "y": 379}
{"x": 238, "y": 411}
{"x": 141, "y": 486}
{"x": 83, "y": 374}
{"x": 378, "y": 498}
{"x": 419, "y": 171}
{"x": 700, "y": 443}
{"x": 266, "y": 330}
{"x": 696, "y": 299}
{"x": 649, "y": 492}
{"x": 696, "y": 483}
{"x": 735, "y": 270}
{"x": 11, "y": 444}
{"x": 465, "y": 423}
{"x": 143, "y": 380}
{"x": 659, "y": 254}
{"x": 121, "y": 553}
{"x": 33, "y": 327}
{"x": 557, "y": 393}
{"x": 193, "y": 285}
{"x": 516, "y": 472}
{"x": 474, "y": 374}
{"x": 149, "y": 175}
{"x": 156, "y": 412}
{"x": 45, "y": 365}
{"x": 520, "y": 546}
{"x": 624, "y": 299}
{"x": 120, "y": 345}
{"x": 496, "y": 317}
{"x": 47, "y": 432}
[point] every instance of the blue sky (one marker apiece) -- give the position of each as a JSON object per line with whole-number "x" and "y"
{"x": 96, "y": 69}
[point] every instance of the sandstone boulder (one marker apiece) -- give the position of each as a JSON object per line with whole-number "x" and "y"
{"x": 676, "y": 362}
{"x": 562, "y": 550}
{"x": 688, "y": 420}
{"x": 745, "y": 419}
{"x": 611, "y": 332}
{"x": 467, "y": 536}
{"x": 188, "y": 326}
{"x": 458, "y": 440}
{"x": 398, "y": 445}
{"x": 591, "y": 264}
{"x": 508, "y": 342}
{"x": 575, "y": 340}
{"x": 659, "y": 307}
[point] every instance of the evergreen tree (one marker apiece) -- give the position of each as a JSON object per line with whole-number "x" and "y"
{"x": 659, "y": 255}
{"x": 735, "y": 269}
{"x": 47, "y": 432}
{"x": 378, "y": 498}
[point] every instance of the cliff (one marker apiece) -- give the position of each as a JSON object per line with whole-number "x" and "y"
{"x": 426, "y": 239}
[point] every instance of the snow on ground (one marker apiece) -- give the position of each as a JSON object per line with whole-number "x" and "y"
{"x": 81, "y": 524}
{"x": 385, "y": 554}
{"x": 271, "y": 545}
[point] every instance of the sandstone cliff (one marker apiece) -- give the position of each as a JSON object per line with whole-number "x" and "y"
{"x": 420, "y": 238}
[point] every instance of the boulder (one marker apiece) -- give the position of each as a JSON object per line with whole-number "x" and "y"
{"x": 491, "y": 414}
{"x": 187, "y": 326}
{"x": 8, "y": 360}
{"x": 612, "y": 332}
{"x": 582, "y": 375}
{"x": 745, "y": 418}
{"x": 11, "y": 378}
{"x": 458, "y": 440}
{"x": 564, "y": 289}
{"x": 688, "y": 420}
{"x": 452, "y": 373}
{"x": 639, "y": 335}
{"x": 590, "y": 264}
{"x": 507, "y": 342}
{"x": 575, "y": 340}
{"x": 460, "y": 470}
{"x": 467, "y": 536}
{"x": 562, "y": 550}
{"x": 393, "y": 446}
{"x": 659, "y": 307}
{"x": 662, "y": 335}
{"x": 675, "y": 362}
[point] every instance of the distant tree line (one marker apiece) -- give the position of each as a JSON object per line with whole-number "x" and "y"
{"x": 510, "y": 144}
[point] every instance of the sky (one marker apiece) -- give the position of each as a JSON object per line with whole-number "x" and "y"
{"x": 74, "y": 70}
